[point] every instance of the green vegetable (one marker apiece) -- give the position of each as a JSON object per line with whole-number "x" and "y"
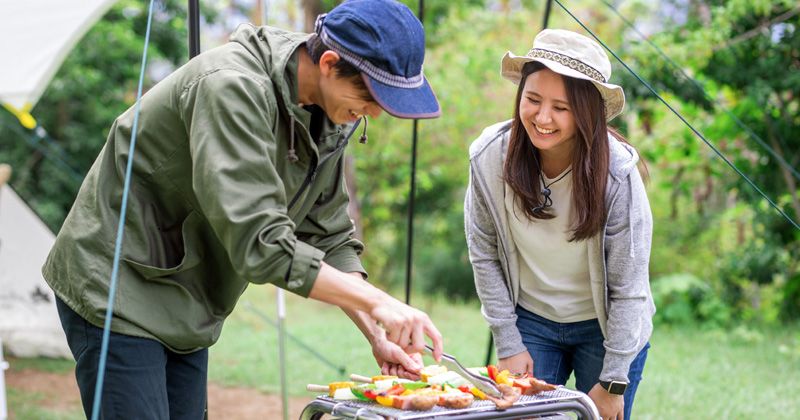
{"x": 415, "y": 385}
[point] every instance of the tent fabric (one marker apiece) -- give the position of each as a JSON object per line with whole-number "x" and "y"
{"x": 29, "y": 324}
{"x": 36, "y": 37}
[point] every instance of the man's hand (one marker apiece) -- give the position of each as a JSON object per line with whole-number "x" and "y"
{"x": 404, "y": 325}
{"x": 610, "y": 406}
{"x": 395, "y": 361}
{"x": 517, "y": 364}
{"x": 407, "y": 326}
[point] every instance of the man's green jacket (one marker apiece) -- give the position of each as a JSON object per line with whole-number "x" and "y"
{"x": 214, "y": 204}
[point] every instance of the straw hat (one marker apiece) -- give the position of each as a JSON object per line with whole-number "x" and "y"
{"x": 570, "y": 54}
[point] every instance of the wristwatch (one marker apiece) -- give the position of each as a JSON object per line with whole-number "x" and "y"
{"x": 614, "y": 387}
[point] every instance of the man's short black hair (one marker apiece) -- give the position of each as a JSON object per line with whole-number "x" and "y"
{"x": 343, "y": 69}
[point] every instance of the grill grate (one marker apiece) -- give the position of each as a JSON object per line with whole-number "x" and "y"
{"x": 558, "y": 395}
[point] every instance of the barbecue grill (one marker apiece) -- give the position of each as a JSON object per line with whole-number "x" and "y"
{"x": 546, "y": 404}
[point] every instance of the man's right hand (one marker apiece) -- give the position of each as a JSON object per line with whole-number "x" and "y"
{"x": 407, "y": 326}
{"x": 404, "y": 325}
{"x": 517, "y": 364}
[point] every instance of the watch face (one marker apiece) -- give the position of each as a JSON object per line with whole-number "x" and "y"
{"x": 617, "y": 388}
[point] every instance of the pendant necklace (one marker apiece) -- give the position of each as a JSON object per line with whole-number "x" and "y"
{"x": 546, "y": 191}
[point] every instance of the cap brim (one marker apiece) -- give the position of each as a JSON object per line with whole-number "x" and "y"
{"x": 410, "y": 103}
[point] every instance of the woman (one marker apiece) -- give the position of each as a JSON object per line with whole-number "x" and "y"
{"x": 559, "y": 227}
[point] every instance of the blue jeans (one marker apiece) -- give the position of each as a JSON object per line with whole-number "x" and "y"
{"x": 143, "y": 379}
{"x": 559, "y": 349}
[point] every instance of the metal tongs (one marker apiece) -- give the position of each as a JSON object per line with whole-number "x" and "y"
{"x": 483, "y": 383}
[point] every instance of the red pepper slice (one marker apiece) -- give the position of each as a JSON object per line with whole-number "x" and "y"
{"x": 397, "y": 389}
{"x": 492, "y": 371}
{"x": 465, "y": 388}
{"x": 371, "y": 394}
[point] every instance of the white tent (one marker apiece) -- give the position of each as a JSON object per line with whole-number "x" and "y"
{"x": 29, "y": 324}
{"x": 36, "y": 37}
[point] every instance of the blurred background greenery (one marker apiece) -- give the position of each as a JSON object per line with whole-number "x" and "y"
{"x": 722, "y": 258}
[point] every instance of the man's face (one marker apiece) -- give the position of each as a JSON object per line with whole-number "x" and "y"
{"x": 344, "y": 101}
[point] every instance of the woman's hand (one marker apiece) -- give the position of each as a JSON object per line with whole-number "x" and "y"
{"x": 517, "y": 364}
{"x": 610, "y": 406}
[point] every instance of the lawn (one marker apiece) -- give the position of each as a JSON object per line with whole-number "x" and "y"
{"x": 691, "y": 372}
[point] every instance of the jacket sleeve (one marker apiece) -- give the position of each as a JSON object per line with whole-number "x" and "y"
{"x": 497, "y": 306}
{"x": 228, "y": 116}
{"x": 328, "y": 226}
{"x": 628, "y": 238}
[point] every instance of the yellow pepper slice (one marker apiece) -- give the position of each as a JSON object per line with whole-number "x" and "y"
{"x": 386, "y": 401}
{"x": 478, "y": 393}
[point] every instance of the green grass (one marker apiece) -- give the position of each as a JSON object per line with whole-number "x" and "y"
{"x": 28, "y": 405}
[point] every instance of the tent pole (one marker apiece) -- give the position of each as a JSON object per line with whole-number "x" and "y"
{"x": 5, "y": 174}
{"x": 194, "y": 28}
{"x": 412, "y": 190}
{"x": 547, "y": 8}
{"x": 3, "y": 367}
{"x": 545, "y": 20}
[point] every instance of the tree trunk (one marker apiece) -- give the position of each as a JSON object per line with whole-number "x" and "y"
{"x": 311, "y": 9}
{"x": 354, "y": 206}
{"x": 791, "y": 184}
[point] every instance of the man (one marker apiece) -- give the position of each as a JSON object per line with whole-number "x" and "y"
{"x": 237, "y": 179}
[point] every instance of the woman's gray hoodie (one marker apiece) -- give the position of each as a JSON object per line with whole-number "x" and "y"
{"x": 618, "y": 258}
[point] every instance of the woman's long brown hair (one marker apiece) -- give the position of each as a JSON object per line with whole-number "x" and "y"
{"x": 590, "y": 158}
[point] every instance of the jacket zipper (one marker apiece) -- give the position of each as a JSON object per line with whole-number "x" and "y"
{"x": 312, "y": 173}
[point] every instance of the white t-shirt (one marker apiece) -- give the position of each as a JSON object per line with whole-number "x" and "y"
{"x": 553, "y": 273}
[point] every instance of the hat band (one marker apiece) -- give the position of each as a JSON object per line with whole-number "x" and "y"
{"x": 568, "y": 61}
{"x": 364, "y": 65}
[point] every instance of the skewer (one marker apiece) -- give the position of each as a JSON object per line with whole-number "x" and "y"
{"x": 360, "y": 378}
{"x": 317, "y": 388}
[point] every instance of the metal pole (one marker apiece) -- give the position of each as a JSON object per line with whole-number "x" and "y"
{"x": 194, "y": 28}
{"x": 412, "y": 190}
{"x": 546, "y": 19}
{"x": 547, "y": 8}
{"x": 3, "y": 367}
{"x": 282, "y": 353}
{"x": 5, "y": 175}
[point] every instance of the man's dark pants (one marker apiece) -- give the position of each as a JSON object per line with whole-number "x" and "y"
{"x": 143, "y": 379}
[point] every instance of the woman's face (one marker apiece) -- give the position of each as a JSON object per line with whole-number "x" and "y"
{"x": 546, "y": 114}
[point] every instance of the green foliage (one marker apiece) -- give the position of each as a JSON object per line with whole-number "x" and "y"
{"x": 96, "y": 83}
{"x": 684, "y": 299}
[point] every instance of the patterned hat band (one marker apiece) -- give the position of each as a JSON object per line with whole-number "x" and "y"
{"x": 364, "y": 65}
{"x": 568, "y": 61}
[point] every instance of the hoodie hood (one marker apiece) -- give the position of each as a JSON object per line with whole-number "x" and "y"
{"x": 622, "y": 159}
{"x": 275, "y": 50}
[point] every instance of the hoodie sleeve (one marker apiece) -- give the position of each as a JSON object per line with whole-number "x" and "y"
{"x": 627, "y": 247}
{"x": 328, "y": 227}
{"x": 228, "y": 116}
{"x": 496, "y": 304}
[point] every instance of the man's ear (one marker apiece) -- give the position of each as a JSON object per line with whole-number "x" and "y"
{"x": 327, "y": 61}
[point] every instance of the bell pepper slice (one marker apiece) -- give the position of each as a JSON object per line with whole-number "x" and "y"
{"x": 385, "y": 400}
{"x": 464, "y": 388}
{"x": 492, "y": 371}
{"x": 478, "y": 393}
{"x": 360, "y": 391}
{"x": 503, "y": 377}
{"x": 415, "y": 385}
{"x": 397, "y": 389}
{"x": 371, "y": 394}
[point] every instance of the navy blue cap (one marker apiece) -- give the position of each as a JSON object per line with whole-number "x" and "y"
{"x": 386, "y": 42}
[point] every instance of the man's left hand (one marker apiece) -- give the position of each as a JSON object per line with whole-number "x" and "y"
{"x": 393, "y": 360}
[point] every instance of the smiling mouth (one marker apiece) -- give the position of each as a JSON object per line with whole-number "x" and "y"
{"x": 543, "y": 130}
